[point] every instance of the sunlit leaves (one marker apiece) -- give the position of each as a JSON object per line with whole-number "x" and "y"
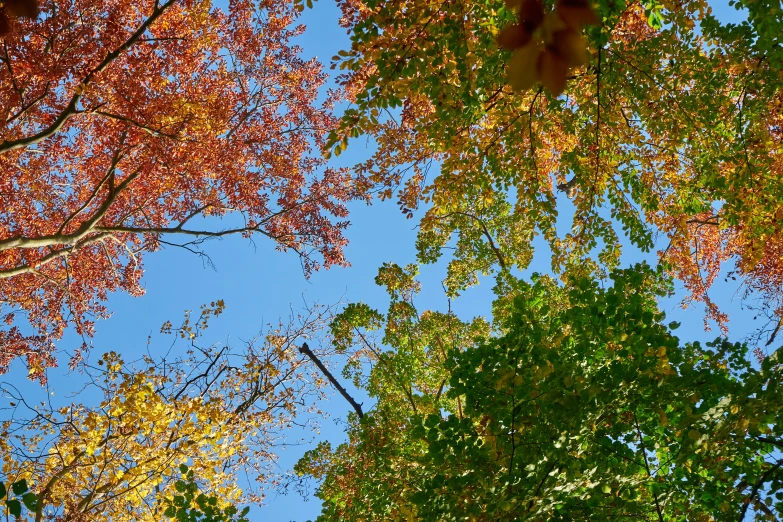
{"x": 220, "y": 120}
{"x": 218, "y": 410}
{"x": 588, "y": 408}
{"x": 190, "y": 505}
{"x": 665, "y": 132}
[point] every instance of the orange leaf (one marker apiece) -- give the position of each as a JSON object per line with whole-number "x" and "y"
{"x": 531, "y": 14}
{"x": 577, "y": 14}
{"x": 513, "y": 37}
{"x": 22, "y": 8}
{"x": 5, "y": 23}
{"x": 570, "y": 46}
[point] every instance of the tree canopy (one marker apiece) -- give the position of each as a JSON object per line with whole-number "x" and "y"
{"x": 599, "y": 130}
{"x": 126, "y": 123}
{"x": 587, "y": 408}
{"x": 671, "y": 131}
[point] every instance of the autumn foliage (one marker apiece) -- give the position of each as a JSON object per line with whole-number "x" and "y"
{"x": 126, "y": 124}
{"x": 666, "y": 136}
{"x": 506, "y": 127}
{"x": 114, "y": 452}
{"x": 588, "y": 407}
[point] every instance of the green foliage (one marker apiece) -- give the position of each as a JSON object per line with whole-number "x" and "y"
{"x": 587, "y": 408}
{"x": 192, "y": 506}
{"x": 24, "y": 497}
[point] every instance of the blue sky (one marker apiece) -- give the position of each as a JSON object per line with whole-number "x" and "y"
{"x": 259, "y": 284}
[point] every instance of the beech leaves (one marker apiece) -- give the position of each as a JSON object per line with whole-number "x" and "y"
{"x": 546, "y": 45}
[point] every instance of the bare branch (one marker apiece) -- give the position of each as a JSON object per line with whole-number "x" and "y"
{"x": 356, "y": 406}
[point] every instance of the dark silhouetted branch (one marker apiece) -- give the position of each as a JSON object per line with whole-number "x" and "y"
{"x": 356, "y": 406}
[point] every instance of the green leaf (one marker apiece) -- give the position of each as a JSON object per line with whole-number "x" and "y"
{"x": 14, "y": 507}
{"x": 30, "y": 500}
{"x": 19, "y": 487}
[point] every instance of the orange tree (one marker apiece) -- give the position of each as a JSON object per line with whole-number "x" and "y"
{"x": 665, "y": 132}
{"x": 124, "y": 125}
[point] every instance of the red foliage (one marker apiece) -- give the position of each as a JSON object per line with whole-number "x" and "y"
{"x": 125, "y": 122}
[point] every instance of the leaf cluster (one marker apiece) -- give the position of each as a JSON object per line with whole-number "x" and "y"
{"x": 24, "y": 497}
{"x": 190, "y": 505}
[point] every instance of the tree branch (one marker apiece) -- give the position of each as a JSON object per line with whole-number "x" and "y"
{"x": 757, "y": 486}
{"x": 84, "y": 229}
{"x": 647, "y": 467}
{"x": 356, "y": 406}
{"x": 70, "y": 109}
{"x": 495, "y": 249}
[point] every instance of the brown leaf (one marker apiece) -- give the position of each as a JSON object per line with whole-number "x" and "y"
{"x": 577, "y": 15}
{"x": 570, "y": 46}
{"x": 5, "y": 23}
{"x": 552, "y": 71}
{"x": 22, "y": 8}
{"x": 513, "y": 37}
{"x": 522, "y": 67}
{"x": 531, "y": 14}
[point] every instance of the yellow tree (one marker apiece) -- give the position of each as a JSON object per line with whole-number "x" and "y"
{"x": 216, "y": 410}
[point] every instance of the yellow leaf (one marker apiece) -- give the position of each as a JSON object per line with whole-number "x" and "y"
{"x": 570, "y": 46}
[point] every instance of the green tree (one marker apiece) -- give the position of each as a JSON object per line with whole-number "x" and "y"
{"x": 587, "y": 408}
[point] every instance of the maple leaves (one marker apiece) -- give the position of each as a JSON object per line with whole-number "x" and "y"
{"x": 545, "y": 45}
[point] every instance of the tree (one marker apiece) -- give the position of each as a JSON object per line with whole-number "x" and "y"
{"x": 118, "y": 455}
{"x": 587, "y": 408}
{"x": 127, "y": 125}
{"x": 665, "y": 133}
